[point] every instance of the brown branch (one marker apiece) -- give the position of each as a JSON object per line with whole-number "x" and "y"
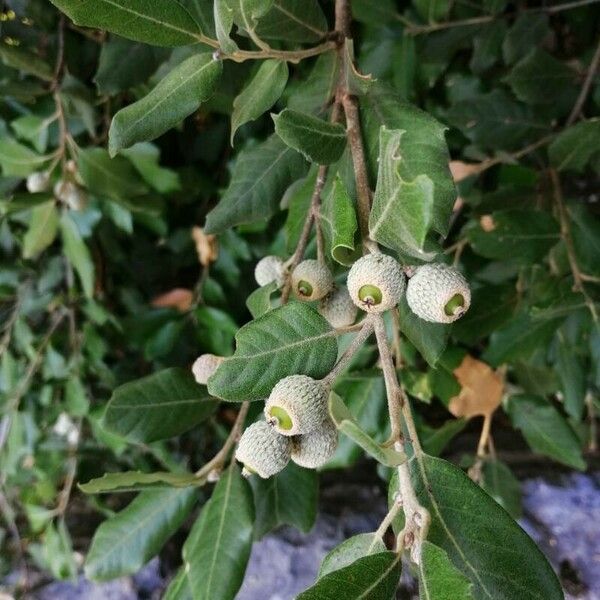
{"x": 585, "y": 88}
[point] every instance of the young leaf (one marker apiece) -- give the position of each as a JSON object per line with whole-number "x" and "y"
{"x": 574, "y": 147}
{"x": 135, "y": 481}
{"x": 545, "y": 430}
{"x": 424, "y": 150}
{"x": 479, "y": 536}
{"x": 260, "y": 177}
{"x": 358, "y": 546}
{"x": 259, "y": 94}
{"x": 338, "y": 218}
{"x": 439, "y": 579}
{"x": 77, "y": 253}
{"x": 319, "y": 141}
{"x": 158, "y": 407}
{"x": 160, "y": 22}
{"x": 291, "y": 339}
{"x": 217, "y": 549}
{"x": 372, "y": 577}
{"x": 178, "y": 95}
{"x": 42, "y": 229}
{"x": 124, "y": 543}
{"x": 288, "y": 498}
{"x": 345, "y": 422}
{"x": 402, "y": 210}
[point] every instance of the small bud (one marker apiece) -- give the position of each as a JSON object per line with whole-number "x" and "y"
{"x": 438, "y": 293}
{"x": 312, "y": 450}
{"x": 376, "y": 282}
{"x": 311, "y": 280}
{"x": 338, "y": 308}
{"x": 268, "y": 269}
{"x": 263, "y": 451}
{"x": 297, "y": 404}
{"x": 204, "y": 366}
{"x": 38, "y": 182}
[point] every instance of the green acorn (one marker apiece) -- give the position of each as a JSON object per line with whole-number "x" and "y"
{"x": 263, "y": 451}
{"x": 268, "y": 269}
{"x": 376, "y": 282}
{"x": 311, "y": 280}
{"x": 337, "y": 307}
{"x": 204, "y": 366}
{"x": 438, "y": 293}
{"x": 38, "y": 182}
{"x": 312, "y": 450}
{"x": 297, "y": 404}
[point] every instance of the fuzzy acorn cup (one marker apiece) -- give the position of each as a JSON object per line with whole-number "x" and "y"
{"x": 312, "y": 450}
{"x": 337, "y": 307}
{"x": 204, "y": 366}
{"x": 438, "y": 293}
{"x": 297, "y": 404}
{"x": 311, "y": 280}
{"x": 268, "y": 269}
{"x": 263, "y": 451}
{"x": 376, "y": 282}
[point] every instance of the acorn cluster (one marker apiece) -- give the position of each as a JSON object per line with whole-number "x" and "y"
{"x": 66, "y": 191}
{"x": 297, "y": 428}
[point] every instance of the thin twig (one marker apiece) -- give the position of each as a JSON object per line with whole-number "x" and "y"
{"x": 585, "y": 88}
{"x": 217, "y": 462}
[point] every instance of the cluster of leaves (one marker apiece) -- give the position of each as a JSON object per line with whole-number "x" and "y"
{"x": 145, "y": 125}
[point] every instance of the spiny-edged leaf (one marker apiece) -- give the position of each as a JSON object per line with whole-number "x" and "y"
{"x": 77, "y": 253}
{"x": 178, "y": 95}
{"x": 545, "y": 429}
{"x": 217, "y": 549}
{"x": 439, "y": 579}
{"x": 364, "y": 395}
{"x": 499, "y": 482}
{"x": 480, "y": 538}
{"x": 223, "y": 17}
{"x": 539, "y": 78}
{"x": 373, "y": 577}
{"x": 124, "y": 543}
{"x": 288, "y": 498}
{"x": 158, "y": 406}
{"x": 260, "y": 177}
{"x": 124, "y": 64}
{"x": 358, "y": 546}
{"x": 261, "y": 92}
{"x": 130, "y": 481}
{"x": 293, "y": 21}
{"x": 145, "y": 158}
{"x": 291, "y": 339}
{"x": 114, "y": 178}
{"x": 345, "y": 423}
{"x": 525, "y": 235}
{"x": 259, "y": 301}
{"x": 42, "y": 229}
{"x": 318, "y": 140}
{"x": 402, "y": 210}
{"x": 574, "y": 147}
{"x": 19, "y": 160}
{"x": 338, "y": 219}
{"x": 424, "y": 149}
{"x": 429, "y": 339}
{"x": 160, "y": 22}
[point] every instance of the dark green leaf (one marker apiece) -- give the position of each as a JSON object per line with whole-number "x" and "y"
{"x": 178, "y": 95}
{"x": 574, "y": 147}
{"x": 42, "y": 229}
{"x": 145, "y": 158}
{"x": 135, "y": 481}
{"x": 24, "y": 60}
{"x": 259, "y": 301}
{"x": 223, "y": 17}
{"x": 158, "y": 407}
{"x": 293, "y": 21}
{"x": 77, "y": 253}
{"x": 528, "y": 30}
{"x": 358, "y": 546}
{"x": 319, "y": 141}
{"x": 439, "y": 579}
{"x": 291, "y": 339}
{"x": 124, "y": 543}
{"x": 487, "y": 46}
{"x": 288, "y": 498}
{"x": 432, "y": 10}
{"x": 19, "y": 160}
{"x": 545, "y": 429}
{"x": 218, "y": 546}
{"x": 572, "y": 375}
{"x": 499, "y": 482}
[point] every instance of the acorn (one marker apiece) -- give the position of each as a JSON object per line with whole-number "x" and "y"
{"x": 311, "y": 280}
{"x": 38, "y": 182}
{"x": 337, "y": 307}
{"x": 312, "y": 450}
{"x": 204, "y": 366}
{"x": 263, "y": 451}
{"x": 376, "y": 282}
{"x": 438, "y": 293}
{"x": 268, "y": 269}
{"x": 69, "y": 193}
{"x": 297, "y": 404}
